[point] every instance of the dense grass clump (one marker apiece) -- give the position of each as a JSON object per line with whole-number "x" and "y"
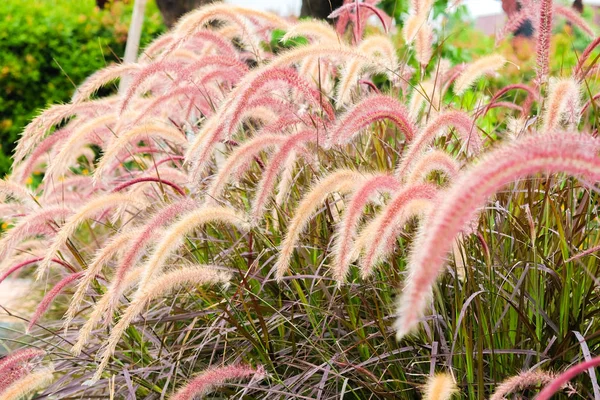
{"x": 345, "y": 214}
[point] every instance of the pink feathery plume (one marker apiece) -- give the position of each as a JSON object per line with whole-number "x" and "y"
{"x": 238, "y": 160}
{"x": 579, "y": 72}
{"x": 223, "y": 78}
{"x": 15, "y": 365}
{"x": 134, "y": 181}
{"x": 149, "y": 232}
{"x": 575, "y": 154}
{"x": 148, "y": 71}
{"x": 351, "y": 218}
{"x": 463, "y": 124}
{"x": 215, "y": 377}
{"x": 367, "y": 111}
{"x": 514, "y": 22}
{"x": 101, "y": 78}
{"x": 225, "y": 121}
{"x": 25, "y": 263}
{"x": 356, "y": 6}
{"x": 36, "y": 130}
{"x": 532, "y": 95}
{"x": 153, "y": 50}
{"x": 219, "y": 42}
{"x": 558, "y": 383}
{"x": 19, "y": 357}
{"x": 51, "y": 295}
{"x": 436, "y": 160}
{"x": 543, "y": 42}
{"x": 19, "y": 192}
{"x": 265, "y": 186}
{"x": 36, "y": 223}
{"x": 40, "y": 150}
{"x": 216, "y": 61}
{"x": 370, "y": 84}
{"x": 588, "y": 104}
{"x": 190, "y": 92}
{"x": 574, "y": 18}
{"x": 271, "y": 77}
{"x": 393, "y": 216}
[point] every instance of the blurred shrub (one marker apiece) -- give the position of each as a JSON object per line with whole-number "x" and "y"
{"x": 47, "y": 47}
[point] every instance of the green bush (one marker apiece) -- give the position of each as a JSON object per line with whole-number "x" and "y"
{"x": 48, "y": 47}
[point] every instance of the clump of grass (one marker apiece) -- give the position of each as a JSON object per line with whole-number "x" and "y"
{"x": 344, "y": 137}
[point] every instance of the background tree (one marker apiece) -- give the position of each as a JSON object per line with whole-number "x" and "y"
{"x": 171, "y": 10}
{"x": 319, "y": 8}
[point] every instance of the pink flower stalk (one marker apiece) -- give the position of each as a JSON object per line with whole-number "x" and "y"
{"x": 12, "y": 375}
{"x": 82, "y": 184}
{"x": 51, "y": 295}
{"x": 566, "y": 376}
{"x": 222, "y": 124}
{"x": 189, "y": 92}
{"x": 98, "y": 206}
{"x": 266, "y": 184}
{"x": 41, "y": 222}
{"x": 224, "y": 78}
{"x": 523, "y": 380}
{"x": 93, "y": 130}
{"x": 588, "y": 104}
{"x": 150, "y": 132}
{"x": 436, "y": 160}
{"x": 215, "y": 377}
{"x": 574, "y": 154}
{"x": 212, "y": 62}
{"x": 36, "y": 130}
{"x": 532, "y": 96}
{"x": 40, "y": 150}
{"x": 473, "y": 71}
{"x": 30, "y": 261}
{"x": 18, "y": 192}
{"x": 158, "y": 45}
{"x": 239, "y": 159}
{"x": 101, "y": 78}
{"x": 563, "y": 103}
{"x": 356, "y": 6}
{"x": 514, "y": 22}
{"x": 394, "y": 215}
{"x": 19, "y": 357}
{"x": 368, "y": 111}
{"x": 15, "y": 365}
{"x": 462, "y": 122}
{"x": 574, "y": 18}
{"x": 208, "y": 37}
{"x": 343, "y": 181}
{"x": 543, "y": 42}
{"x": 149, "y": 71}
{"x": 162, "y": 284}
{"x": 149, "y": 232}
{"x": 351, "y": 218}
{"x": 134, "y": 181}
{"x": 579, "y": 72}
{"x": 248, "y": 89}
{"x": 424, "y": 45}
{"x": 282, "y": 124}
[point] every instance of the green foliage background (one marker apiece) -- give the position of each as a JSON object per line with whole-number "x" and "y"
{"x": 49, "y": 46}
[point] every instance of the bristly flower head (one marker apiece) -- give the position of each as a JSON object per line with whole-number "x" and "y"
{"x": 212, "y": 378}
{"x": 340, "y": 181}
{"x": 161, "y": 285}
{"x": 475, "y": 70}
{"x": 563, "y": 104}
{"x": 571, "y": 153}
{"x": 439, "y": 387}
{"x": 368, "y": 111}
